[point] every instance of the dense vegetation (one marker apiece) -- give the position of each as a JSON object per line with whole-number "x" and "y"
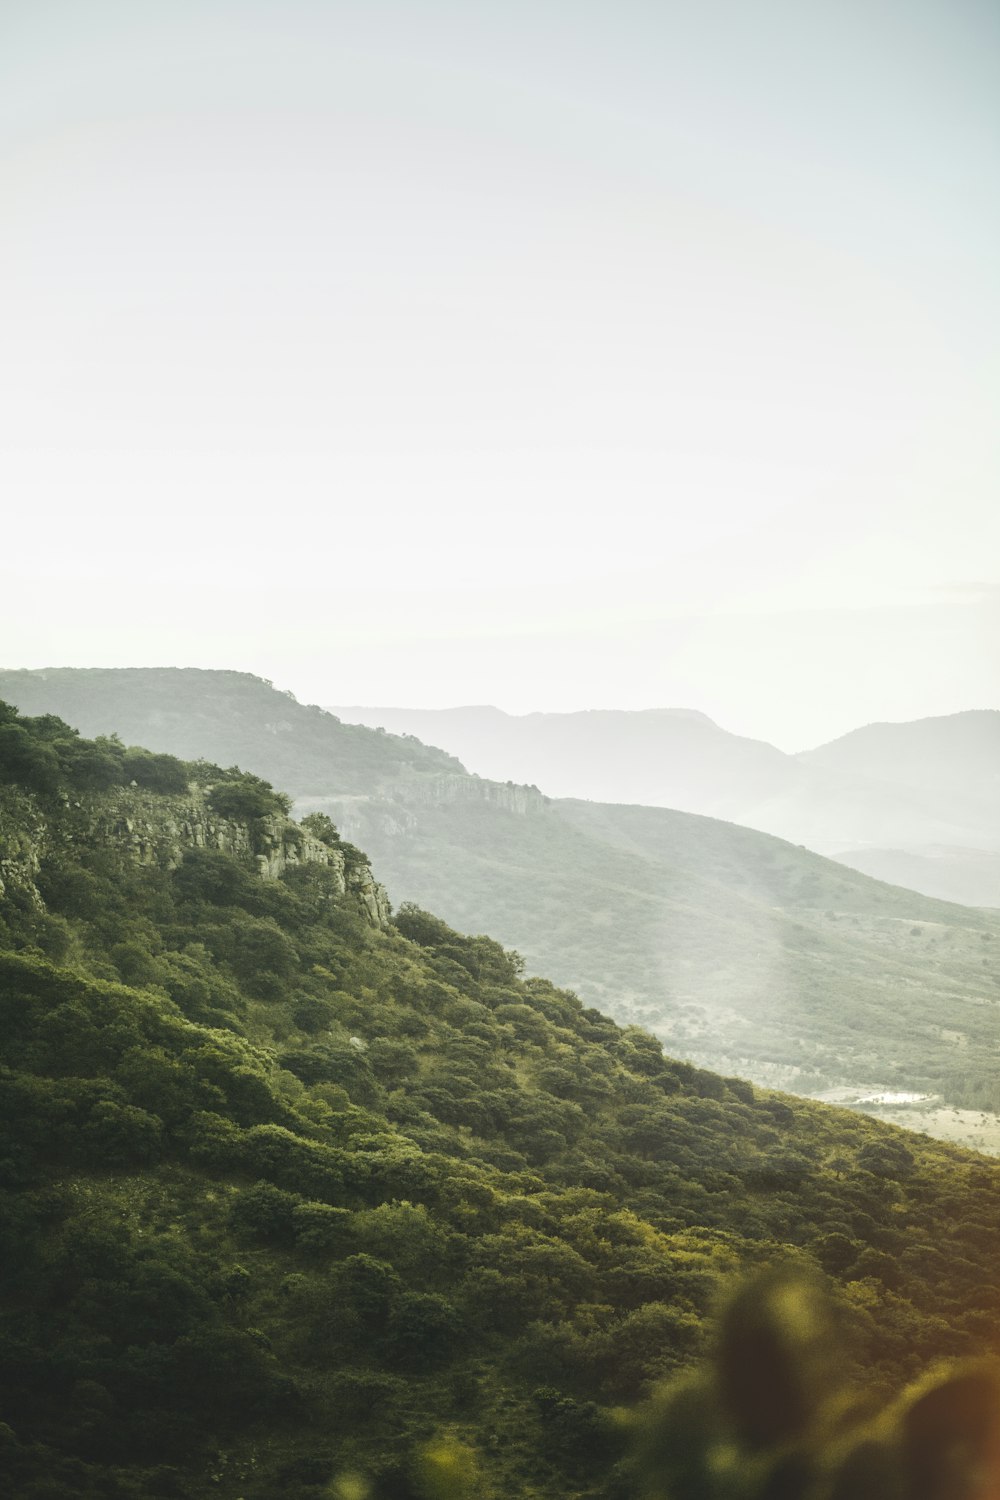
{"x": 288, "y": 1194}
{"x": 48, "y": 757}
{"x": 740, "y": 951}
{"x": 743, "y": 953}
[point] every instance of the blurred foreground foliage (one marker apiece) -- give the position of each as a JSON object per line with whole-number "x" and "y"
{"x": 774, "y": 1415}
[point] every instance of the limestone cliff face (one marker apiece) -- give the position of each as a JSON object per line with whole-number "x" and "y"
{"x": 524, "y": 801}
{"x": 154, "y": 829}
{"x": 398, "y": 816}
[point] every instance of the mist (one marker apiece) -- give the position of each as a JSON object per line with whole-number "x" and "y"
{"x": 543, "y": 356}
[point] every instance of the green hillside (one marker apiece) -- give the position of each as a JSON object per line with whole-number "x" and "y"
{"x": 225, "y": 717}
{"x": 293, "y": 1191}
{"x": 741, "y": 951}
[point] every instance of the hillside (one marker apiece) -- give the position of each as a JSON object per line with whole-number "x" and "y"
{"x": 742, "y": 952}
{"x": 918, "y": 800}
{"x": 932, "y": 757}
{"x": 293, "y": 1191}
{"x": 970, "y": 877}
{"x": 224, "y": 717}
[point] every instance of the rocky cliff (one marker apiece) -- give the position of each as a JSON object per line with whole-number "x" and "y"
{"x": 525, "y": 801}
{"x": 398, "y": 815}
{"x": 156, "y": 829}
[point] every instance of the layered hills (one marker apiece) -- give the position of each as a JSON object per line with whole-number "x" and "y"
{"x": 741, "y": 951}
{"x": 917, "y": 804}
{"x": 298, "y": 1193}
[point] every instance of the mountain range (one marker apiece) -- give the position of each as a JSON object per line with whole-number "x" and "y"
{"x": 739, "y": 950}
{"x": 914, "y": 804}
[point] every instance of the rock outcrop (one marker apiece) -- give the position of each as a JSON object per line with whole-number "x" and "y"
{"x": 398, "y": 815}
{"x": 157, "y": 830}
{"x": 524, "y": 801}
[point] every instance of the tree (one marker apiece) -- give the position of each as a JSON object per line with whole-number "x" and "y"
{"x": 159, "y": 773}
{"x": 246, "y": 797}
{"x": 27, "y": 761}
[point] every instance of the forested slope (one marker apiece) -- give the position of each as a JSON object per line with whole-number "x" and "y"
{"x": 739, "y": 950}
{"x": 743, "y": 952}
{"x": 291, "y": 1190}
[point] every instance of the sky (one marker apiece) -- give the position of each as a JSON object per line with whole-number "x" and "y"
{"x": 544, "y": 354}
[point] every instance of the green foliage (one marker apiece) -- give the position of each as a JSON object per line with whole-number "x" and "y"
{"x": 263, "y": 958}
{"x": 26, "y": 760}
{"x": 246, "y": 797}
{"x": 157, "y": 773}
{"x": 45, "y": 756}
{"x": 206, "y": 875}
{"x": 774, "y": 1414}
{"x": 93, "y": 765}
{"x": 320, "y": 826}
{"x": 480, "y": 957}
{"x": 286, "y": 1194}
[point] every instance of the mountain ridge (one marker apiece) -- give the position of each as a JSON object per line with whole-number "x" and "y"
{"x": 830, "y": 799}
{"x": 738, "y": 949}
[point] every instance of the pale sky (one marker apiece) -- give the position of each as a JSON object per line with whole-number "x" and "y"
{"x": 545, "y": 354}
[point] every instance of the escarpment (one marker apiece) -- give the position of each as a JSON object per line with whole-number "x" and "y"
{"x": 399, "y": 815}
{"x": 157, "y": 829}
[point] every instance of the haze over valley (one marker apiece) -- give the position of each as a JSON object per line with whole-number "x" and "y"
{"x": 913, "y": 804}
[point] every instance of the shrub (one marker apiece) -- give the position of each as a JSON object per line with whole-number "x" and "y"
{"x": 27, "y": 762}
{"x": 120, "y": 1135}
{"x": 264, "y": 1212}
{"x": 247, "y": 798}
{"x": 423, "y": 1328}
{"x": 93, "y": 765}
{"x": 156, "y": 772}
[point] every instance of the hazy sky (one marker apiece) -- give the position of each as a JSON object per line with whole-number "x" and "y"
{"x": 555, "y": 355}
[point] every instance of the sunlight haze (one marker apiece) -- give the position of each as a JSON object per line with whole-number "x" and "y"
{"x": 546, "y": 355}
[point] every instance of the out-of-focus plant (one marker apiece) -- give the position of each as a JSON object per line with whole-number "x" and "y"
{"x": 774, "y": 1416}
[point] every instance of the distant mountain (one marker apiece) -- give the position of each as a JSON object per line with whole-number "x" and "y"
{"x": 658, "y": 757}
{"x": 739, "y": 950}
{"x": 923, "y": 825}
{"x": 956, "y": 751}
{"x": 951, "y": 765}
